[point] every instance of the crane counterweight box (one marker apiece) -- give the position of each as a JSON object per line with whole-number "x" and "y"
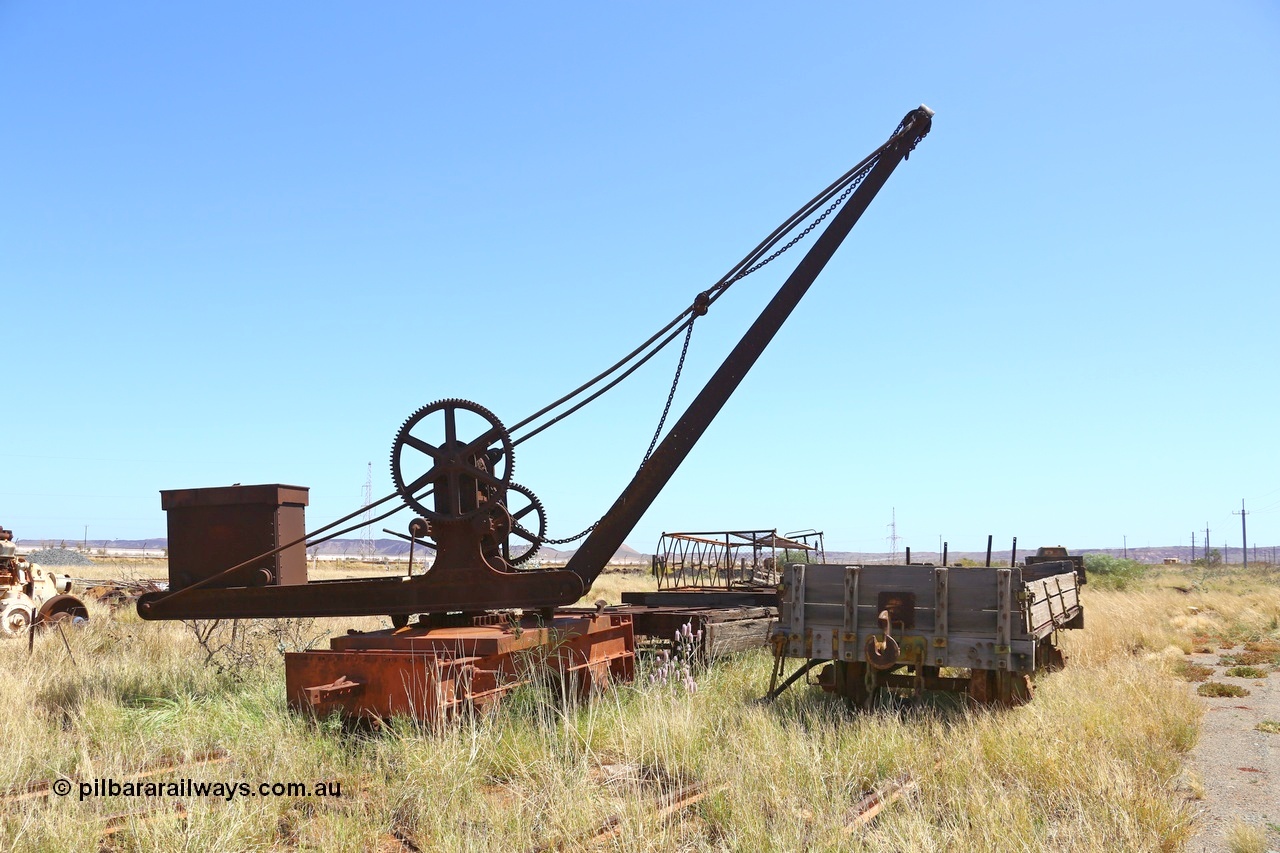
{"x": 213, "y": 529}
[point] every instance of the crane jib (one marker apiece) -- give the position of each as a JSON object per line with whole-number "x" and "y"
{"x": 608, "y": 535}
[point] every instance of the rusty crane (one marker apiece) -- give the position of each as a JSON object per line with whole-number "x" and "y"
{"x": 238, "y": 552}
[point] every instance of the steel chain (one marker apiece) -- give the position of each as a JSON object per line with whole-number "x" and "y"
{"x": 675, "y": 381}
{"x": 569, "y": 539}
{"x": 805, "y": 233}
{"x": 684, "y": 351}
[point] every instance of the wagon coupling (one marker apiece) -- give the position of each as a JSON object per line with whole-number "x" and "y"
{"x": 882, "y": 652}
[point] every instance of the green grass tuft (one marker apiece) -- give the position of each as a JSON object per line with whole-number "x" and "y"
{"x": 1189, "y": 671}
{"x": 1218, "y": 690}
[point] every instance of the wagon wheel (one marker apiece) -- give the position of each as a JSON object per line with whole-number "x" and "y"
{"x": 982, "y": 686}
{"x": 1000, "y": 687}
{"x": 61, "y": 609}
{"x": 851, "y": 683}
{"x": 1014, "y": 688}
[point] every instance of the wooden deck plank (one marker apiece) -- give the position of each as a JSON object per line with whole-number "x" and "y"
{"x": 724, "y": 638}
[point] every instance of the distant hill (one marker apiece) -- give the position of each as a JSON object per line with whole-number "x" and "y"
{"x": 626, "y": 555}
{"x": 340, "y": 548}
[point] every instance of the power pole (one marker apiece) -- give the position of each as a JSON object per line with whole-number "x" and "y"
{"x": 366, "y": 535}
{"x": 1193, "y": 546}
{"x": 893, "y": 537}
{"x": 1126, "y": 546}
{"x": 1244, "y": 539}
{"x": 1206, "y": 543}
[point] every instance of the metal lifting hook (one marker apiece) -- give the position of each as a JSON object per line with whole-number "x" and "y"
{"x": 882, "y": 653}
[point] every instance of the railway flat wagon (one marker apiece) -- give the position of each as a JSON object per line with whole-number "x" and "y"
{"x": 983, "y": 632}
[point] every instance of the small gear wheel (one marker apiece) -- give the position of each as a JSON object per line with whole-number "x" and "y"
{"x": 467, "y": 454}
{"x": 521, "y": 503}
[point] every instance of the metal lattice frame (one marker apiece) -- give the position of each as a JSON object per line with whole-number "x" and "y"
{"x": 725, "y": 559}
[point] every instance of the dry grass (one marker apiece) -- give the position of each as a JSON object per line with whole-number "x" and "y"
{"x": 618, "y": 579}
{"x": 1093, "y": 762}
{"x": 1245, "y": 838}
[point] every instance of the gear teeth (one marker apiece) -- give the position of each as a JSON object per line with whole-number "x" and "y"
{"x": 541, "y": 535}
{"x": 504, "y": 439}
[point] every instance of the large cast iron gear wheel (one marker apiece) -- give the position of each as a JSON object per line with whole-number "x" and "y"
{"x": 532, "y": 536}
{"x": 431, "y": 435}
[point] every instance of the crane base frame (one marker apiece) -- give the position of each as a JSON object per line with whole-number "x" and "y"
{"x": 435, "y": 673}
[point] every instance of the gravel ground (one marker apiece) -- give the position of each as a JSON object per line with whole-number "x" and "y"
{"x": 58, "y": 557}
{"x": 1238, "y": 765}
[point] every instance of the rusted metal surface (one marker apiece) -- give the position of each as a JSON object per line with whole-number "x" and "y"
{"x": 466, "y": 586}
{"x": 996, "y": 687}
{"x": 340, "y": 688}
{"x": 32, "y": 597}
{"x": 433, "y": 674}
{"x": 471, "y": 527}
{"x": 116, "y": 593}
{"x": 469, "y": 572}
{"x": 214, "y": 528}
{"x": 463, "y": 470}
{"x": 61, "y": 609}
{"x": 882, "y": 652}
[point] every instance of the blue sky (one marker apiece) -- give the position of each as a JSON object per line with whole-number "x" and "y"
{"x": 243, "y": 242}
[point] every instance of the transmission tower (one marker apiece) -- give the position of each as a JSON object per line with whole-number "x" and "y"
{"x": 366, "y": 532}
{"x": 893, "y": 537}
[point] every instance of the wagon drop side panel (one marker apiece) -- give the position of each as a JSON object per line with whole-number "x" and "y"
{"x": 961, "y": 617}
